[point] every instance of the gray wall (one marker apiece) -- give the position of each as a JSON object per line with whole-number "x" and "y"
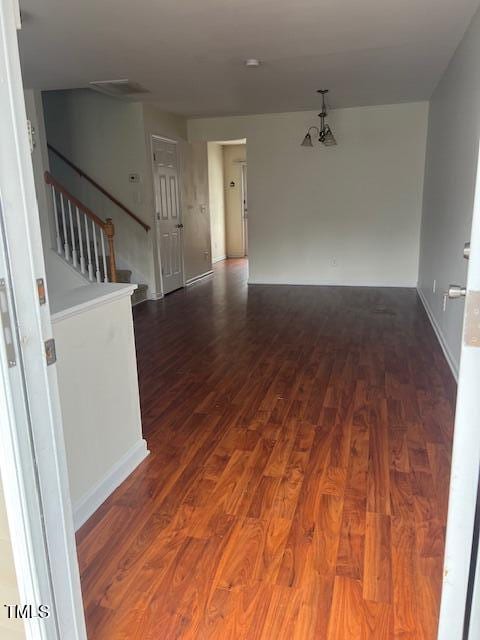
{"x": 195, "y": 210}
{"x": 348, "y": 215}
{"x": 105, "y": 138}
{"x": 60, "y": 276}
{"x": 216, "y": 192}
{"x": 450, "y": 170}
{"x": 109, "y": 139}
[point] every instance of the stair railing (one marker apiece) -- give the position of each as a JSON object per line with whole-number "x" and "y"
{"x": 98, "y": 187}
{"x": 81, "y": 235}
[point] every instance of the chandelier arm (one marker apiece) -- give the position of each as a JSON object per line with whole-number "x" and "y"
{"x": 316, "y": 129}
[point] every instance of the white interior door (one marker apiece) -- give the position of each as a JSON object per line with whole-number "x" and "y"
{"x": 168, "y": 214}
{"x": 465, "y": 461}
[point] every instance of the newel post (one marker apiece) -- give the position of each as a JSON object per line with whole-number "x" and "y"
{"x": 110, "y": 233}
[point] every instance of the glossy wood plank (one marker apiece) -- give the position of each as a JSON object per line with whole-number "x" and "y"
{"x": 352, "y": 617}
{"x": 377, "y": 567}
{"x": 297, "y": 485}
{"x": 406, "y": 613}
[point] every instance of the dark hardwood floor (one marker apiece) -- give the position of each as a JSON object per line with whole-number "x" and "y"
{"x": 298, "y": 479}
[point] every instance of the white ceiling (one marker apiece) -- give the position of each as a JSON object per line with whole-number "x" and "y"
{"x": 190, "y": 53}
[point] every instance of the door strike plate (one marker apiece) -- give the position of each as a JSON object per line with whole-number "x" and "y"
{"x": 6, "y": 324}
{"x": 42, "y": 298}
{"x": 50, "y": 351}
{"x": 472, "y": 319}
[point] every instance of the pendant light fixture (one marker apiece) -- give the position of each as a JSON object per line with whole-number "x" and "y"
{"x": 325, "y": 134}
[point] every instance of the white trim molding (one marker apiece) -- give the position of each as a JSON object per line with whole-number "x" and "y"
{"x": 75, "y": 301}
{"x": 32, "y": 455}
{"x": 373, "y": 285}
{"x": 197, "y": 278}
{"x": 438, "y": 332}
{"x": 91, "y": 501}
{"x": 156, "y": 295}
{"x": 219, "y": 259}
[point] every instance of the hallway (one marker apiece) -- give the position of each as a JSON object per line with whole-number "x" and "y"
{"x": 298, "y": 479}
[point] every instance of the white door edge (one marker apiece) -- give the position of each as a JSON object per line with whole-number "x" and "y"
{"x": 32, "y": 456}
{"x": 465, "y": 464}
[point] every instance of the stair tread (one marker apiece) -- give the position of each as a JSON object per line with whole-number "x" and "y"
{"x": 140, "y": 294}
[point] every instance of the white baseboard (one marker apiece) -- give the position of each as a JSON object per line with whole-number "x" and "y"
{"x": 236, "y": 255}
{"x": 376, "y": 285}
{"x": 197, "y": 278}
{"x": 155, "y": 295}
{"x": 219, "y": 259}
{"x": 91, "y": 501}
{"x": 438, "y": 332}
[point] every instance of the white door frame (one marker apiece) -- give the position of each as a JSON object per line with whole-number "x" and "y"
{"x": 161, "y": 138}
{"x": 474, "y": 617}
{"x": 32, "y": 455}
{"x": 465, "y": 462}
{"x": 243, "y": 180}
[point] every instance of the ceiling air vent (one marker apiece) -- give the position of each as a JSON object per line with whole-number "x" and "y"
{"x": 119, "y": 88}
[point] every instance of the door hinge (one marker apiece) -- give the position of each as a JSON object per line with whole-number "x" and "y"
{"x": 50, "y": 351}
{"x": 472, "y": 319}
{"x": 7, "y": 325}
{"x": 42, "y": 297}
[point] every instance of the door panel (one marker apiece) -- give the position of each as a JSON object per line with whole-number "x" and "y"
{"x": 166, "y": 261}
{"x": 168, "y": 214}
{"x": 173, "y": 197}
{"x": 163, "y": 198}
{"x": 458, "y": 566}
{"x": 175, "y": 252}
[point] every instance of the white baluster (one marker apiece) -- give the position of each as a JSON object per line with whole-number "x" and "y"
{"x": 89, "y": 251}
{"x": 72, "y": 235}
{"x": 66, "y": 246}
{"x": 105, "y": 274}
{"x": 57, "y": 229}
{"x": 95, "y": 248}
{"x": 80, "y": 242}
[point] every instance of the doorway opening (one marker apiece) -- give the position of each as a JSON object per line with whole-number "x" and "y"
{"x": 228, "y": 194}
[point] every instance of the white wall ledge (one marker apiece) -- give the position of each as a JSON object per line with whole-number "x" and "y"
{"x": 80, "y": 299}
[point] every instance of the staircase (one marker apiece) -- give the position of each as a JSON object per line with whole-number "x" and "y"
{"x": 125, "y": 276}
{"x": 140, "y": 293}
{"x": 86, "y": 242}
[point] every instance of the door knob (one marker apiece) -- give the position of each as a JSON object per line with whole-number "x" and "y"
{"x": 179, "y": 226}
{"x": 456, "y": 291}
{"x": 466, "y": 251}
